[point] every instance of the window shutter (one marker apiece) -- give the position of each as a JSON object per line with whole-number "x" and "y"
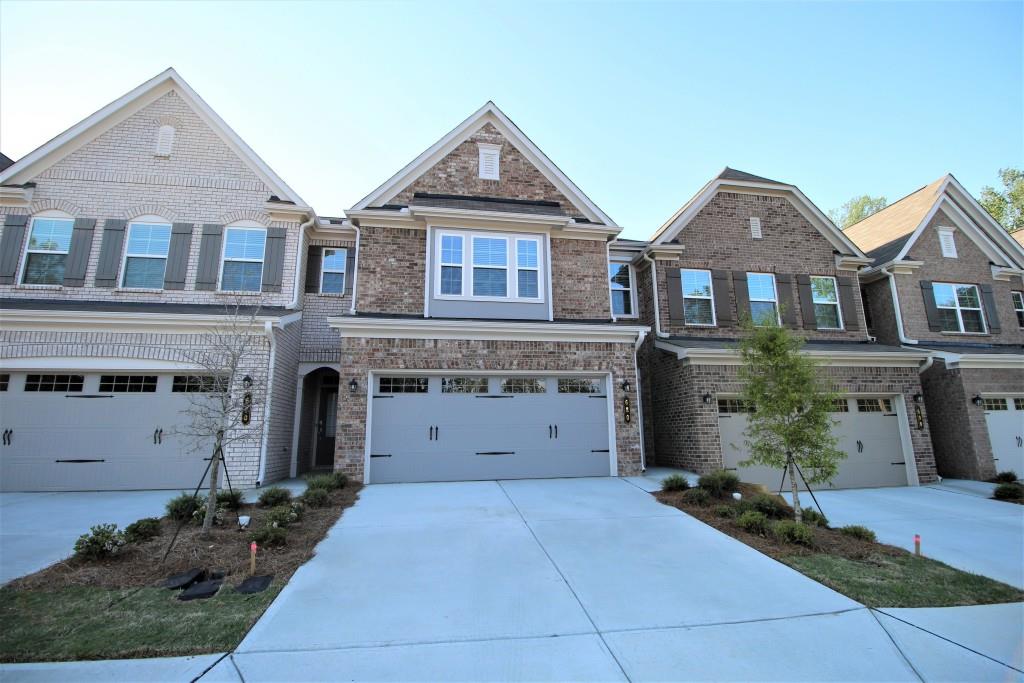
{"x": 273, "y": 259}
{"x": 675, "y": 295}
{"x": 930, "y": 309}
{"x": 10, "y": 247}
{"x": 847, "y": 303}
{"x": 177, "y": 256}
{"x": 78, "y": 254}
{"x": 209, "y": 256}
{"x": 723, "y": 311}
{"x": 755, "y": 227}
{"x": 784, "y": 285}
{"x": 110, "y": 252}
{"x": 350, "y": 269}
{"x": 739, "y": 285}
{"x": 314, "y": 262}
{"x": 988, "y": 300}
{"x": 947, "y": 243}
{"x": 803, "y": 286}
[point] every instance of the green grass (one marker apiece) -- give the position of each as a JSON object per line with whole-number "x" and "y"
{"x": 902, "y": 581}
{"x": 96, "y": 623}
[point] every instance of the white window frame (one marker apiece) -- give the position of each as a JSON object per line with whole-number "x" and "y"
{"x": 775, "y": 289}
{"x": 631, "y": 289}
{"x": 511, "y": 267}
{"x": 1018, "y": 307}
{"x": 441, "y": 264}
{"x": 246, "y": 225}
{"x": 486, "y": 149}
{"x": 711, "y": 297}
{"x": 49, "y": 214}
{"x": 839, "y": 308}
{"x": 958, "y": 308}
{"x": 943, "y": 233}
{"x": 324, "y": 269}
{"x": 144, "y": 220}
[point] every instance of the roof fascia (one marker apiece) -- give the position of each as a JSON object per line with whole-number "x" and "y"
{"x": 725, "y": 356}
{"x": 924, "y": 222}
{"x": 1011, "y": 248}
{"x": 413, "y": 328}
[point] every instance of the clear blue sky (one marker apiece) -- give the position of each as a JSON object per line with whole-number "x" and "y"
{"x": 640, "y": 104}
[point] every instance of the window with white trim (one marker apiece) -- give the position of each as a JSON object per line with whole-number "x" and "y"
{"x": 578, "y": 385}
{"x": 527, "y": 268}
{"x": 994, "y": 404}
{"x": 698, "y": 302}
{"x": 1018, "y": 307}
{"x": 145, "y": 255}
{"x": 403, "y": 385}
{"x": 205, "y": 384}
{"x": 54, "y": 382}
{"x": 5, "y": 379}
{"x": 463, "y": 385}
{"x": 523, "y": 385}
{"x": 128, "y": 384}
{"x": 874, "y": 405}
{"x": 946, "y": 242}
{"x": 242, "y": 267}
{"x": 490, "y": 161}
{"x": 825, "y": 295}
{"x": 451, "y": 265}
{"x": 489, "y": 267}
{"x": 620, "y": 278}
{"x": 764, "y": 299}
{"x": 959, "y": 307}
{"x": 332, "y": 271}
{"x": 46, "y": 253}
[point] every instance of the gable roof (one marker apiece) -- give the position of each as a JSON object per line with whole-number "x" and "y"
{"x": 1018, "y": 236}
{"x": 120, "y": 109}
{"x": 734, "y": 174}
{"x": 5, "y": 161}
{"x": 899, "y": 219}
{"x": 489, "y": 113}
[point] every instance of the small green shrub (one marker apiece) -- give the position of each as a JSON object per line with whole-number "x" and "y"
{"x": 743, "y": 505}
{"x": 858, "y": 531}
{"x": 725, "y": 510}
{"x": 269, "y": 536}
{"x": 1007, "y": 477}
{"x": 719, "y": 483}
{"x": 790, "y": 531}
{"x": 1009, "y": 492}
{"x": 675, "y": 482}
{"x": 283, "y": 515}
{"x": 697, "y": 497}
{"x": 340, "y": 479}
{"x": 219, "y": 514}
{"x": 232, "y": 500}
{"x": 103, "y": 540}
{"x": 316, "y": 498}
{"x": 320, "y": 481}
{"x": 771, "y": 507}
{"x": 142, "y": 530}
{"x": 182, "y": 506}
{"x": 275, "y": 496}
{"x": 814, "y": 518}
{"x": 754, "y": 522}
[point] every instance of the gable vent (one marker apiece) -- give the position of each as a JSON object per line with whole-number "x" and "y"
{"x": 755, "y": 228}
{"x": 164, "y": 140}
{"x": 947, "y": 243}
{"x": 490, "y": 156}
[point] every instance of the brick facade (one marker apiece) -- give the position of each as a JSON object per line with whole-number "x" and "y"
{"x": 392, "y": 263}
{"x": 319, "y": 343}
{"x": 579, "y": 280}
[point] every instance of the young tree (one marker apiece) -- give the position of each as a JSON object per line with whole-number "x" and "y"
{"x": 791, "y": 423}
{"x": 856, "y": 210}
{"x": 1006, "y": 205}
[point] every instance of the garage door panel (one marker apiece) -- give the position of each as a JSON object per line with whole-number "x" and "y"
{"x": 1004, "y": 417}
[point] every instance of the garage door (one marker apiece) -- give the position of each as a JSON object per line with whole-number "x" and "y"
{"x": 94, "y": 432}
{"x": 1005, "y": 419}
{"x": 456, "y": 428}
{"x": 868, "y": 432}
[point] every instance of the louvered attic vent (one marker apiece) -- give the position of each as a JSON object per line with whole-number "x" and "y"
{"x": 947, "y": 243}
{"x": 164, "y": 140}
{"x": 490, "y": 156}
{"x": 755, "y": 228}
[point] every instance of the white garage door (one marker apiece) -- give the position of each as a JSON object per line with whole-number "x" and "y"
{"x": 456, "y": 428}
{"x": 868, "y": 432}
{"x": 95, "y": 432}
{"x": 1005, "y": 419}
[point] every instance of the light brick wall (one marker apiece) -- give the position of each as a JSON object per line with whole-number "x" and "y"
{"x": 319, "y": 342}
{"x": 282, "y": 402}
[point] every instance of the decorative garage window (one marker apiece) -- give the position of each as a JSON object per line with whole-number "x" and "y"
{"x": 332, "y": 271}
{"x": 403, "y": 385}
{"x": 54, "y": 382}
{"x": 130, "y": 384}
{"x": 47, "y": 252}
{"x": 734, "y": 405}
{"x": 145, "y": 257}
{"x": 5, "y": 380}
{"x": 205, "y": 384}
{"x": 1018, "y": 404}
{"x": 523, "y": 385}
{"x": 825, "y": 295}
{"x": 463, "y": 385}
{"x": 874, "y": 405}
{"x": 764, "y": 299}
{"x": 959, "y": 307}
{"x": 575, "y": 385}
{"x": 840, "y": 405}
{"x": 698, "y": 308}
{"x": 1018, "y": 307}
{"x": 242, "y": 269}
{"x": 994, "y": 404}
{"x": 494, "y": 267}
{"x": 620, "y": 277}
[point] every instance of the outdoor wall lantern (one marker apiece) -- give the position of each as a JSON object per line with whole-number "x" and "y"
{"x": 706, "y": 398}
{"x": 918, "y": 397}
{"x": 625, "y": 385}
{"x": 353, "y": 386}
{"x": 976, "y": 400}
{"x": 247, "y": 382}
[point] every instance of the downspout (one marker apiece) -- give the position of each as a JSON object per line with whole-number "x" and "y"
{"x": 608, "y": 259}
{"x": 640, "y": 337}
{"x": 930, "y": 360}
{"x": 298, "y": 260}
{"x": 355, "y": 270}
{"x": 268, "y": 331}
{"x": 654, "y": 289}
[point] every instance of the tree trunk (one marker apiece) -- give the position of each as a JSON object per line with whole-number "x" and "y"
{"x": 798, "y": 512}
{"x": 211, "y": 497}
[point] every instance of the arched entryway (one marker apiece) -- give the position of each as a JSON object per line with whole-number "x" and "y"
{"x": 318, "y": 417}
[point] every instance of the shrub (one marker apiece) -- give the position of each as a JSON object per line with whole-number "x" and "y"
{"x": 142, "y": 530}
{"x": 725, "y": 510}
{"x": 182, "y": 506}
{"x": 219, "y": 514}
{"x": 283, "y": 515}
{"x": 1007, "y": 477}
{"x": 790, "y": 531}
{"x": 697, "y": 497}
{"x": 814, "y": 518}
{"x": 324, "y": 482}
{"x": 232, "y": 500}
{"x": 858, "y": 531}
{"x": 675, "y": 482}
{"x": 103, "y": 540}
{"x": 1009, "y": 492}
{"x": 275, "y": 496}
{"x": 340, "y": 479}
{"x": 771, "y": 507}
{"x": 269, "y": 536}
{"x": 754, "y": 522}
{"x": 719, "y": 483}
{"x": 316, "y": 498}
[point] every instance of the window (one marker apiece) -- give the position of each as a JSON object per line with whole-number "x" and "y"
{"x": 164, "y": 141}
{"x": 755, "y": 228}
{"x": 523, "y": 385}
{"x": 205, "y": 384}
{"x": 463, "y": 385}
{"x": 403, "y": 385}
{"x": 131, "y": 384}
{"x": 145, "y": 259}
{"x": 994, "y": 404}
{"x": 54, "y": 382}
{"x": 574, "y": 385}
{"x": 5, "y": 379}
{"x": 243, "y": 259}
{"x": 959, "y": 307}
{"x": 698, "y": 308}
{"x": 840, "y": 405}
{"x": 620, "y": 275}
{"x": 733, "y": 405}
{"x": 451, "y": 265}
{"x": 47, "y": 252}
{"x": 490, "y": 156}
{"x": 1018, "y": 307}
{"x": 332, "y": 271}
{"x": 825, "y": 295}
{"x": 527, "y": 269}
{"x": 947, "y": 243}
{"x": 1018, "y": 404}
{"x": 490, "y": 266}
{"x": 499, "y": 267}
{"x": 874, "y": 405}
{"x": 764, "y": 302}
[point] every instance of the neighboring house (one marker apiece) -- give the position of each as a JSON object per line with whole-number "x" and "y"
{"x": 947, "y": 278}
{"x": 747, "y": 247}
{"x": 5, "y": 162}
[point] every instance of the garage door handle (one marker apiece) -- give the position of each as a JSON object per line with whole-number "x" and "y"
{"x": 898, "y": 463}
{"x": 556, "y": 431}
{"x": 482, "y": 396}
{"x": 549, "y": 431}
{"x": 8, "y": 433}
{"x": 79, "y": 461}
{"x": 495, "y": 452}
{"x": 380, "y": 455}
{"x": 159, "y": 436}
{"x": 599, "y": 450}
{"x": 860, "y": 446}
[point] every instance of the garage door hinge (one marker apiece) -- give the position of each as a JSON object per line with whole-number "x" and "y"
{"x": 79, "y": 461}
{"x": 495, "y": 452}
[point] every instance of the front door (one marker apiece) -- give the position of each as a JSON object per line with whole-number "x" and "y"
{"x": 327, "y": 421}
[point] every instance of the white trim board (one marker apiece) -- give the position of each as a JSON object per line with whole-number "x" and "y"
{"x": 725, "y": 356}
{"x": 104, "y": 321}
{"x": 433, "y": 328}
{"x": 93, "y": 364}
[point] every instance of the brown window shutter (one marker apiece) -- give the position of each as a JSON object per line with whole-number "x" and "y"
{"x": 675, "y": 295}
{"x": 350, "y": 269}
{"x": 110, "y": 252}
{"x": 273, "y": 260}
{"x": 723, "y": 310}
{"x": 10, "y": 247}
{"x": 209, "y": 257}
{"x": 803, "y": 286}
{"x": 988, "y": 300}
{"x": 847, "y": 303}
{"x": 784, "y": 285}
{"x": 314, "y": 262}
{"x": 177, "y": 256}
{"x": 739, "y": 285}
{"x": 930, "y": 309}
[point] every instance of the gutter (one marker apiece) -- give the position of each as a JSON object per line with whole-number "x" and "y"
{"x": 355, "y": 269}
{"x": 654, "y": 289}
{"x": 298, "y": 259}
{"x": 608, "y": 259}
{"x": 900, "y": 332}
{"x": 640, "y": 337}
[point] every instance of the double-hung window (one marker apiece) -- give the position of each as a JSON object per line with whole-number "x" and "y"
{"x": 825, "y": 295}
{"x": 1018, "y": 306}
{"x": 488, "y": 266}
{"x": 47, "y": 253}
{"x": 959, "y": 307}
{"x": 451, "y": 265}
{"x": 698, "y": 307}
{"x": 242, "y": 270}
{"x": 764, "y": 299}
{"x": 145, "y": 257}
{"x": 620, "y": 278}
{"x": 332, "y": 271}
{"x": 527, "y": 268}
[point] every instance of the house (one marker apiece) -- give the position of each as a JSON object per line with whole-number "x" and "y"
{"x": 749, "y": 247}
{"x": 945, "y": 277}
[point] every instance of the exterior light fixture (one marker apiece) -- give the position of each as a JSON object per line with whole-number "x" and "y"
{"x": 626, "y": 385}
{"x": 918, "y": 397}
{"x": 247, "y": 382}
{"x": 706, "y": 398}
{"x": 976, "y": 400}
{"x": 353, "y": 386}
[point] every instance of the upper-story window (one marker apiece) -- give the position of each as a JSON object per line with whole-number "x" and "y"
{"x": 946, "y": 242}
{"x": 825, "y": 295}
{"x": 1018, "y": 307}
{"x": 764, "y": 298}
{"x": 959, "y": 307}
{"x": 490, "y": 159}
{"x": 242, "y": 267}
{"x": 698, "y": 304}
{"x": 489, "y": 266}
{"x": 145, "y": 256}
{"x": 620, "y": 277}
{"x": 332, "y": 273}
{"x": 46, "y": 253}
